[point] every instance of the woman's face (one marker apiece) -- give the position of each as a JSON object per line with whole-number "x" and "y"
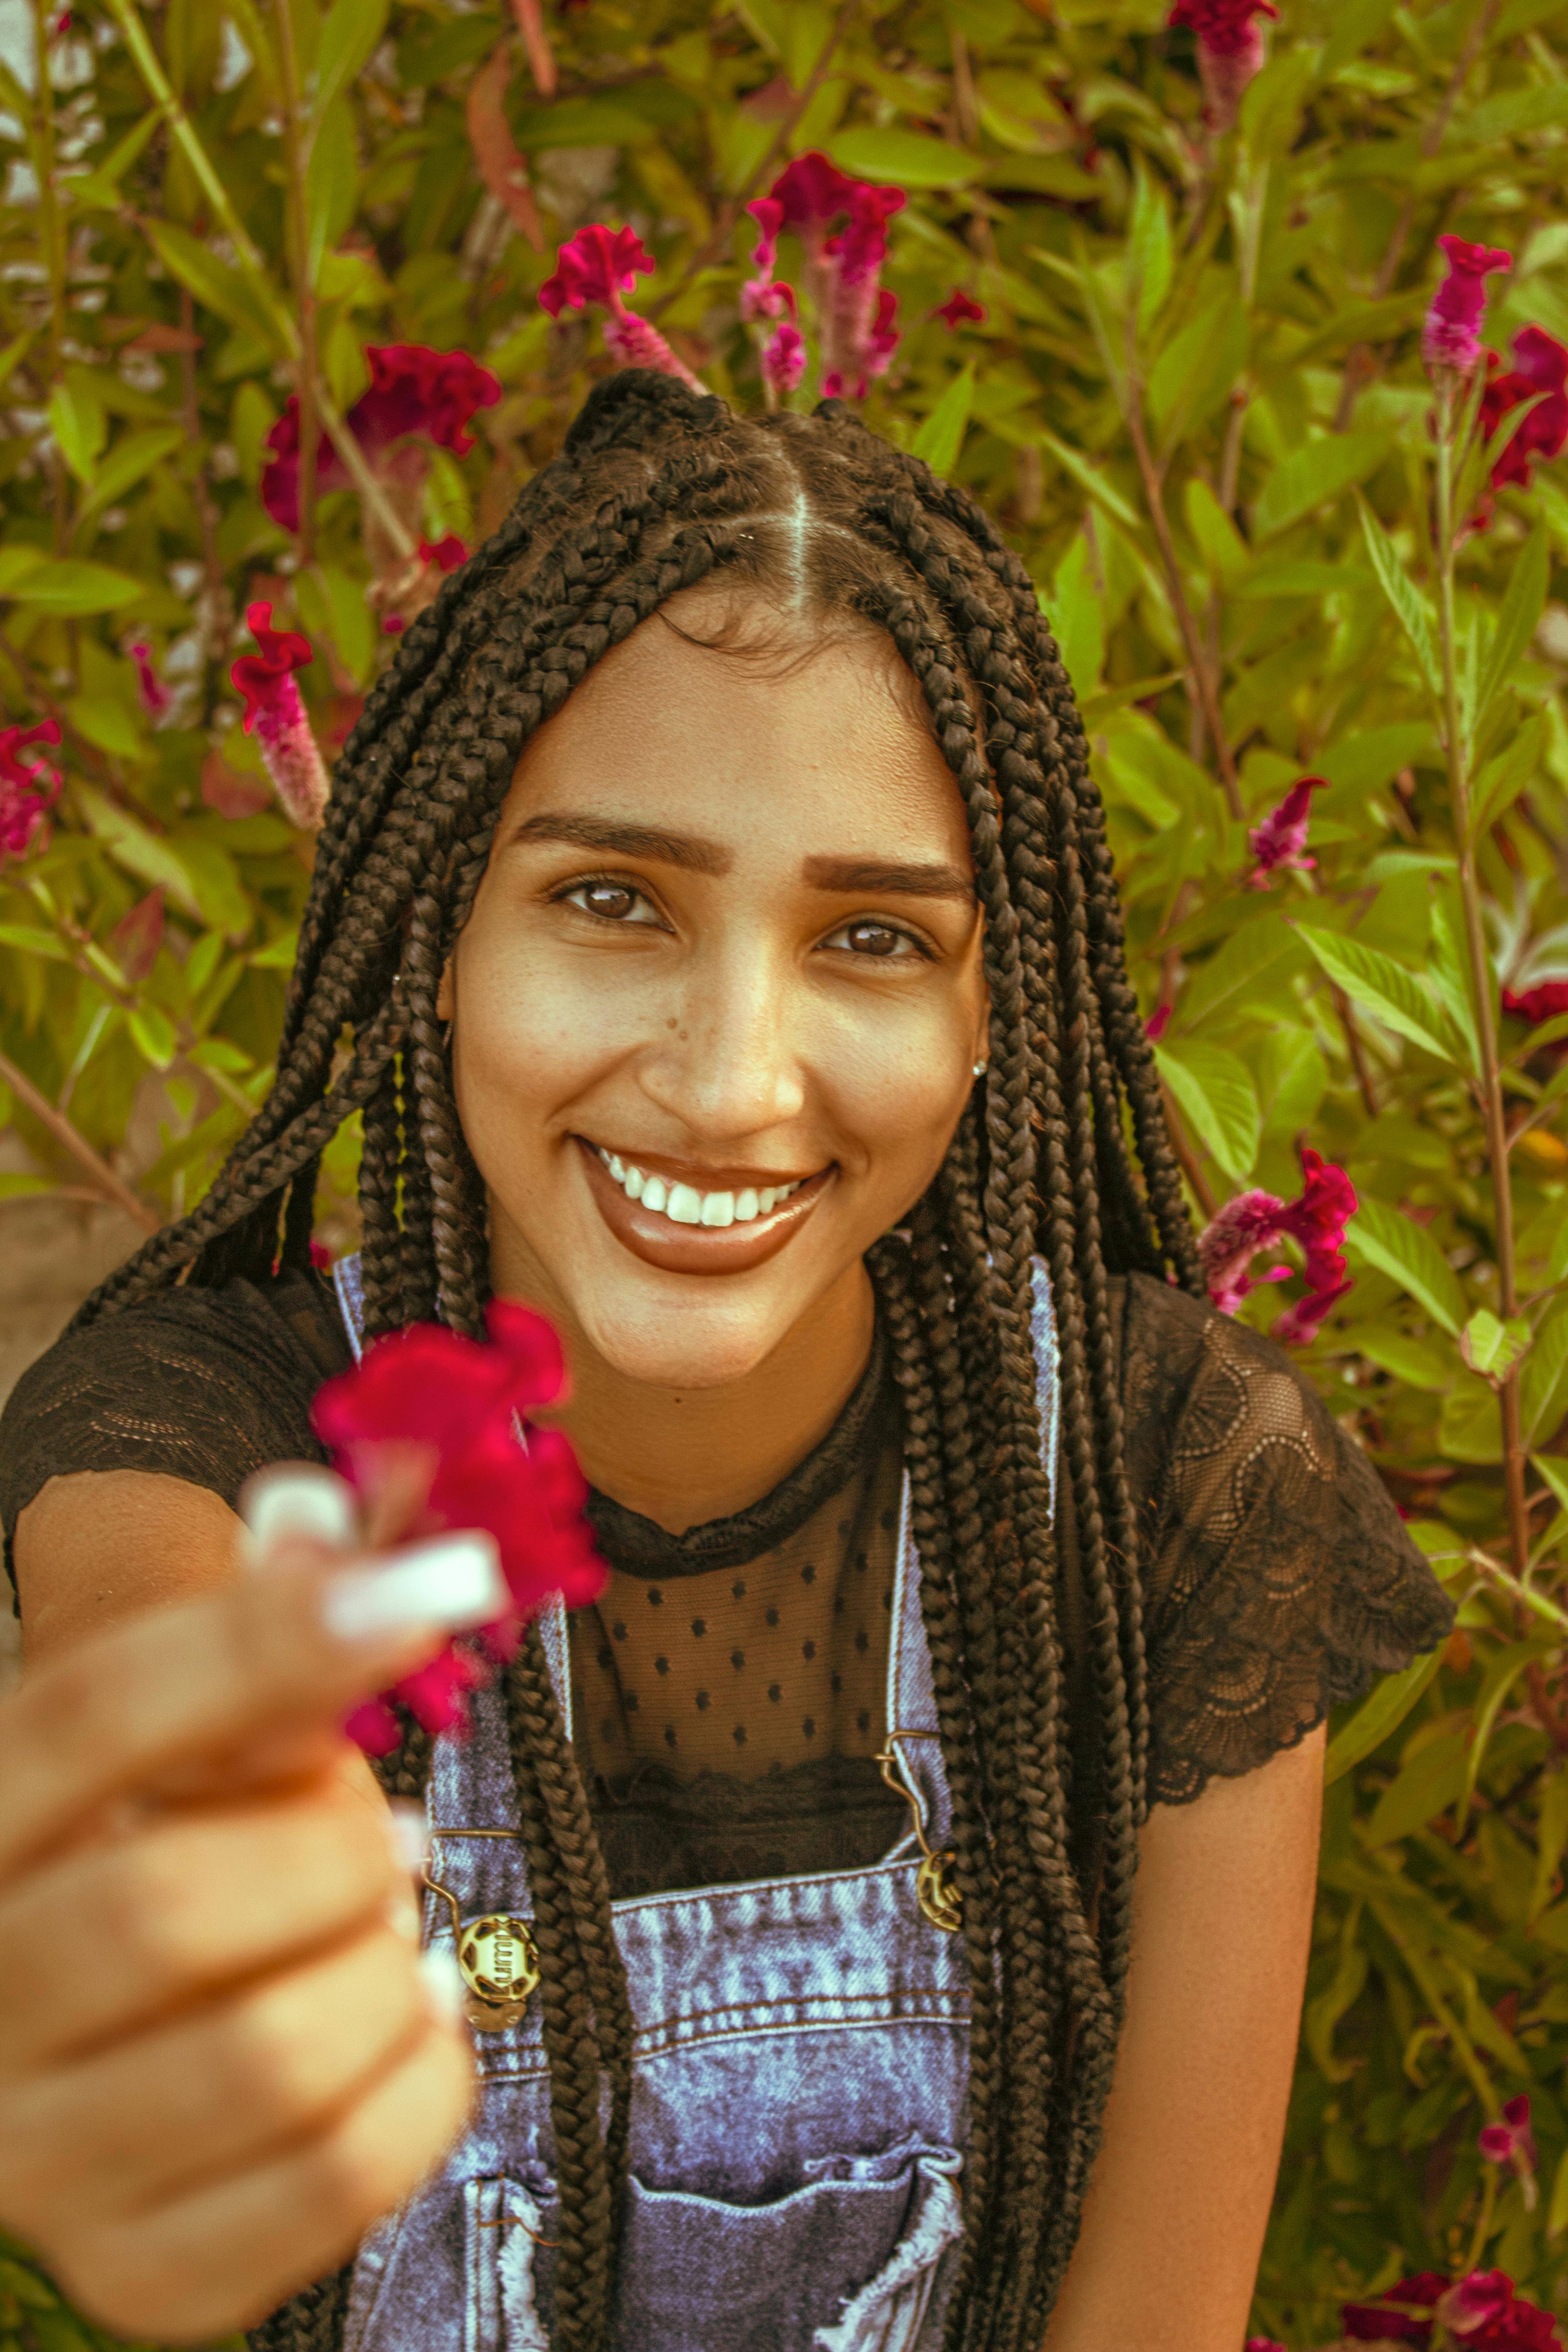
{"x": 717, "y": 1005}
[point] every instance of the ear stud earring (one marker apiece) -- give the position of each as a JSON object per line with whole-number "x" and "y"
{"x": 979, "y": 1069}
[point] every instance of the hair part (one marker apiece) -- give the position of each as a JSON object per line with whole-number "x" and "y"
{"x": 817, "y": 526}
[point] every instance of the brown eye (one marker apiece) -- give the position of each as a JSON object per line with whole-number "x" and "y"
{"x": 614, "y": 902}
{"x": 872, "y": 939}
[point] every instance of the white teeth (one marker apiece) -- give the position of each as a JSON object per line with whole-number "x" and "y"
{"x": 685, "y": 1205}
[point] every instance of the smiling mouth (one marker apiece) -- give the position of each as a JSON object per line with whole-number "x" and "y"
{"x": 684, "y": 1228}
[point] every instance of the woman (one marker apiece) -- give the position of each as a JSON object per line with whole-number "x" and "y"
{"x": 718, "y": 907}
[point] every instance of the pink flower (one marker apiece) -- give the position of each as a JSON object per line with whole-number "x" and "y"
{"x": 1540, "y": 365}
{"x": 1511, "y": 2142}
{"x": 29, "y": 788}
{"x": 155, "y": 695}
{"x": 1157, "y": 1023}
{"x": 1282, "y": 838}
{"x": 959, "y": 307}
{"x": 321, "y": 1258}
{"x": 1257, "y": 1220}
{"x": 415, "y": 393}
{"x": 854, "y": 316}
{"x": 1262, "y": 2344}
{"x": 599, "y": 265}
{"x": 466, "y": 1402}
{"x": 764, "y": 296}
{"x": 445, "y": 553}
{"x": 1230, "y": 51}
{"x": 1537, "y": 1005}
{"x": 275, "y": 714}
{"x": 1451, "y": 335}
{"x": 1384, "y": 2321}
{"x": 783, "y": 358}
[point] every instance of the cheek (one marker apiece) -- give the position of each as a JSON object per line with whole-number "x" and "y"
{"x": 520, "y": 1045}
{"x": 900, "y": 1090}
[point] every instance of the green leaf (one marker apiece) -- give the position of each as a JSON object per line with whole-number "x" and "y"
{"x": 29, "y": 939}
{"x": 1551, "y": 1836}
{"x": 1422, "y": 1789}
{"x": 941, "y": 436}
{"x": 1312, "y": 476}
{"x": 1395, "y": 1244}
{"x": 1370, "y": 756}
{"x": 129, "y": 462}
{"x": 349, "y": 38}
{"x": 155, "y": 1035}
{"x": 1518, "y": 621}
{"x": 81, "y": 428}
{"x": 1194, "y": 372}
{"x": 1544, "y": 1384}
{"x": 1215, "y": 1090}
{"x": 1557, "y": 2203}
{"x": 1301, "y": 579}
{"x": 279, "y": 954}
{"x": 1236, "y": 965}
{"x": 230, "y": 293}
{"x": 1104, "y": 493}
{"x": 147, "y": 855}
{"x": 1413, "y": 612}
{"x": 1490, "y": 1347}
{"x": 1504, "y": 777}
{"x": 1395, "y": 1352}
{"x": 331, "y": 185}
{"x": 72, "y": 588}
{"x": 1077, "y": 618}
{"x": 1225, "y": 554}
{"x": 1371, "y": 978}
{"x": 1469, "y": 1428}
{"x": 1271, "y": 110}
{"x": 1150, "y": 251}
{"x": 908, "y": 157}
{"x": 1383, "y": 1708}
{"x": 1502, "y": 1672}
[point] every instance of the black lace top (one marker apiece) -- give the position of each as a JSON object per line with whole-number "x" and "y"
{"x": 726, "y": 1686}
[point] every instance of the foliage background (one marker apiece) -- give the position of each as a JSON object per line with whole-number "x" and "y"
{"x": 1195, "y": 353}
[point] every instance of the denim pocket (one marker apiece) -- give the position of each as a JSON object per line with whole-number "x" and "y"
{"x": 848, "y": 2263}
{"x": 505, "y": 2232}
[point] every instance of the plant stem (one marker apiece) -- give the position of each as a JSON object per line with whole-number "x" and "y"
{"x": 1199, "y": 669}
{"x": 1492, "y": 1105}
{"x": 104, "y": 1178}
{"x": 360, "y": 472}
{"x": 213, "y": 618}
{"x": 51, "y": 236}
{"x": 296, "y": 152}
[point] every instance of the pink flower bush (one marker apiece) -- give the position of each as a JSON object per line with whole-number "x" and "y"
{"x": 1257, "y": 1220}
{"x": 1482, "y": 2312}
{"x": 1278, "y": 842}
{"x": 856, "y": 315}
{"x": 414, "y": 395}
{"x": 1540, "y": 366}
{"x": 600, "y": 265}
{"x": 275, "y": 714}
{"x": 155, "y": 697}
{"x": 1451, "y": 336}
{"x": 29, "y": 788}
{"x": 465, "y": 1404}
{"x": 1230, "y": 50}
{"x": 958, "y": 308}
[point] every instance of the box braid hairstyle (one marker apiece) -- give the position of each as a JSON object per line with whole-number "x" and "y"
{"x": 658, "y": 489}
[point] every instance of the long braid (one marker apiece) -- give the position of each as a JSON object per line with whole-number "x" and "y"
{"x": 656, "y": 491}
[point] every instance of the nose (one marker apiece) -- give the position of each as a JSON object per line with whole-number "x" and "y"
{"x": 729, "y": 1064}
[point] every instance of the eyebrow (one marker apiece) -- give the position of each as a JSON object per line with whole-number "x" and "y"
{"x": 852, "y": 874}
{"x": 687, "y": 850}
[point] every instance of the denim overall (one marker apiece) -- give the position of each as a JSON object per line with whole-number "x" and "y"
{"x": 799, "y": 2107}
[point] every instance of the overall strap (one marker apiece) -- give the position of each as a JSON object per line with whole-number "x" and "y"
{"x": 349, "y": 1285}
{"x": 911, "y": 1696}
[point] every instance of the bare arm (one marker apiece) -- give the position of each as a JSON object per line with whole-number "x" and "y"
{"x": 104, "y": 1545}
{"x": 1176, "y": 2210}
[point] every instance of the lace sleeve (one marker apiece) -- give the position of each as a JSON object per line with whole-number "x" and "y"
{"x": 203, "y": 1385}
{"x": 1279, "y": 1579}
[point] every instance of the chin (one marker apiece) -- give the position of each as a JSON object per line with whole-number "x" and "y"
{"x": 680, "y": 1341}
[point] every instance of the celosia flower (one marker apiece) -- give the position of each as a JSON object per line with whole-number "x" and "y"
{"x": 415, "y": 393}
{"x": 958, "y": 308}
{"x": 854, "y": 316}
{"x": 1282, "y": 838}
{"x": 1510, "y": 2141}
{"x": 467, "y": 1403}
{"x": 1385, "y": 2321}
{"x": 765, "y": 295}
{"x": 1481, "y": 2311}
{"x": 600, "y": 265}
{"x": 783, "y": 358}
{"x": 1157, "y": 1023}
{"x": 155, "y": 695}
{"x": 1542, "y": 1003}
{"x": 1262, "y": 2344}
{"x": 29, "y": 788}
{"x": 275, "y": 714}
{"x": 1451, "y": 337}
{"x": 445, "y": 554}
{"x": 1540, "y": 366}
{"x": 1230, "y": 51}
{"x": 1257, "y": 1220}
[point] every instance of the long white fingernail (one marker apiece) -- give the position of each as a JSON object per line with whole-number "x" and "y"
{"x": 449, "y": 1582}
{"x": 298, "y": 1498}
{"x": 444, "y": 1988}
{"x": 408, "y": 1834}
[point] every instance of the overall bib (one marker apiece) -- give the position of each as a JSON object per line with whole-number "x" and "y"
{"x": 799, "y": 2106}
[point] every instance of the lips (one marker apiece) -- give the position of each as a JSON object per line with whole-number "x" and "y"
{"x": 696, "y": 1247}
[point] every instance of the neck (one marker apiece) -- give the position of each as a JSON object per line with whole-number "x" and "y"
{"x": 682, "y": 1456}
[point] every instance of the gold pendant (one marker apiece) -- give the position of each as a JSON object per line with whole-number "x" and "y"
{"x": 936, "y": 1894}
{"x": 500, "y": 1964}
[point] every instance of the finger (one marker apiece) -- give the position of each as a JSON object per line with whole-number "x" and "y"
{"x": 226, "y": 2256}
{"x": 214, "y": 2093}
{"x": 112, "y": 1936}
{"x": 288, "y": 1652}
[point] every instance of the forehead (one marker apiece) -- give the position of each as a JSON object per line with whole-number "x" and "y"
{"x": 769, "y": 733}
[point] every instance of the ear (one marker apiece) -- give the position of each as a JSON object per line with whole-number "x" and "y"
{"x": 446, "y": 995}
